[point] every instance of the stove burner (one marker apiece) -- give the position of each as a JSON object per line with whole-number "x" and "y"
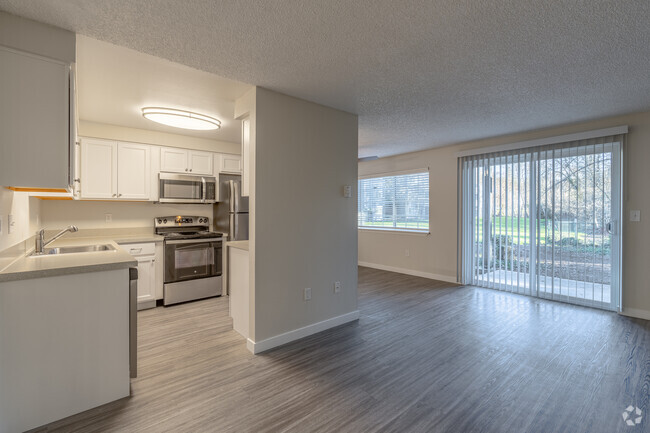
{"x": 192, "y": 235}
{"x": 184, "y": 227}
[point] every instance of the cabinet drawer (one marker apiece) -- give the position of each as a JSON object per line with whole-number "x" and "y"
{"x": 141, "y": 249}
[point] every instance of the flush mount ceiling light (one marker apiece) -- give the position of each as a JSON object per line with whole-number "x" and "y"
{"x": 180, "y": 118}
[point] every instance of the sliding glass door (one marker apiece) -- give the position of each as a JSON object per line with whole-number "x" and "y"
{"x": 545, "y": 221}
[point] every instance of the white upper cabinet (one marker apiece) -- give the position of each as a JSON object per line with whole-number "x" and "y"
{"x": 173, "y": 160}
{"x": 98, "y": 169}
{"x": 112, "y": 170}
{"x": 185, "y": 161}
{"x": 200, "y": 162}
{"x": 133, "y": 171}
{"x": 227, "y": 163}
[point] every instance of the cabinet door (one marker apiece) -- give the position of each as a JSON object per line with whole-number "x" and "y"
{"x": 173, "y": 160}
{"x": 146, "y": 282}
{"x": 200, "y": 162}
{"x": 98, "y": 169}
{"x": 230, "y": 164}
{"x": 133, "y": 171}
{"x": 34, "y": 120}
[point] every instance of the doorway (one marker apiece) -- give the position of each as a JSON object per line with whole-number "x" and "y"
{"x": 545, "y": 221}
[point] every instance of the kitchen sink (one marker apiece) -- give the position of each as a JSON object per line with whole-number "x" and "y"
{"x": 75, "y": 249}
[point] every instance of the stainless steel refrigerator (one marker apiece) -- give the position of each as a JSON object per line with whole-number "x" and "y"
{"x": 231, "y": 212}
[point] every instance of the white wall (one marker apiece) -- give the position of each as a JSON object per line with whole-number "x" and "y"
{"x": 304, "y": 229}
{"x": 26, "y": 216}
{"x": 57, "y": 214}
{"x": 435, "y": 255}
{"x": 115, "y": 132}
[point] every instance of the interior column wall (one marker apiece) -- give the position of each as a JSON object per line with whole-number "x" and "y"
{"x": 305, "y": 229}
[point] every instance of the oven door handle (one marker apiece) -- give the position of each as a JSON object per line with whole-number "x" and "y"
{"x": 192, "y": 241}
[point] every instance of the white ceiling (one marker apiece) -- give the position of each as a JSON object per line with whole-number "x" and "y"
{"x": 114, "y": 83}
{"x": 420, "y": 73}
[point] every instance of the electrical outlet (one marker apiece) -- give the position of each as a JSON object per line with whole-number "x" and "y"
{"x": 635, "y": 215}
{"x": 109, "y": 217}
{"x": 337, "y": 286}
{"x": 407, "y": 253}
{"x": 11, "y": 224}
{"x": 307, "y": 296}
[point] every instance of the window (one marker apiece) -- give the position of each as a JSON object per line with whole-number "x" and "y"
{"x": 542, "y": 221}
{"x": 398, "y": 202}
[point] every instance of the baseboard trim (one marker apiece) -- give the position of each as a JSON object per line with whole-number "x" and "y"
{"x": 431, "y": 276}
{"x": 279, "y": 340}
{"x": 638, "y": 314}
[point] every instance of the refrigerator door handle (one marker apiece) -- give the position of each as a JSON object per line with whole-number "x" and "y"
{"x": 235, "y": 196}
{"x": 231, "y": 198}
{"x": 233, "y": 227}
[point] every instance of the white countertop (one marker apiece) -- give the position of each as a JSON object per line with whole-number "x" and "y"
{"x": 26, "y": 267}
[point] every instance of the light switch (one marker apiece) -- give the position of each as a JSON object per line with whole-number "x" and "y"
{"x": 635, "y": 215}
{"x": 11, "y": 224}
{"x": 347, "y": 191}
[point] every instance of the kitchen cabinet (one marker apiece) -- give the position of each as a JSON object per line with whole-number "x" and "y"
{"x": 36, "y": 120}
{"x": 245, "y": 156}
{"x": 238, "y": 285}
{"x": 59, "y": 333}
{"x": 227, "y": 163}
{"x": 115, "y": 170}
{"x": 98, "y": 169}
{"x": 185, "y": 161}
{"x": 133, "y": 168}
{"x": 145, "y": 254}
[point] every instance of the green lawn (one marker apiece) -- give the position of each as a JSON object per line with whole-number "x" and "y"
{"x": 518, "y": 228}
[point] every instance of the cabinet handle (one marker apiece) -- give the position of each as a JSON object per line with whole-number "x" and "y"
{"x": 190, "y": 169}
{"x": 186, "y": 170}
{"x": 114, "y": 195}
{"x": 119, "y": 195}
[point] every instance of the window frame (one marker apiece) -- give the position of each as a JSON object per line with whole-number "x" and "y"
{"x": 395, "y": 228}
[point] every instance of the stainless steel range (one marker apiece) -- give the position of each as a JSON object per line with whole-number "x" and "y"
{"x": 192, "y": 259}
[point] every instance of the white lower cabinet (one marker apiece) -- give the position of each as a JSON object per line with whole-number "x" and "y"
{"x": 148, "y": 269}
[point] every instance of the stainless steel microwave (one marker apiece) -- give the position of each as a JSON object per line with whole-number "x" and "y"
{"x": 183, "y": 188}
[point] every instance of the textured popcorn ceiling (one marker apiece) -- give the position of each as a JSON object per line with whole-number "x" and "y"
{"x": 420, "y": 74}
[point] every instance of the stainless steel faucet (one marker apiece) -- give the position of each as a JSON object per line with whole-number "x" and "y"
{"x": 40, "y": 238}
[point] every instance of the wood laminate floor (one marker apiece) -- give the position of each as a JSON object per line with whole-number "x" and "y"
{"x": 425, "y": 356}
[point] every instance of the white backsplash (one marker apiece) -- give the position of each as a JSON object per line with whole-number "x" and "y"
{"x": 92, "y": 214}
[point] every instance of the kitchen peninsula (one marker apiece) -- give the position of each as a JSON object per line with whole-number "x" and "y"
{"x": 64, "y": 333}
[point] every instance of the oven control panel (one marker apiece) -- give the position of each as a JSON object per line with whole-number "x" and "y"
{"x": 181, "y": 221}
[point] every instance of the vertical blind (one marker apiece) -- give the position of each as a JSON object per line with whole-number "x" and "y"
{"x": 543, "y": 221}
{"x": 399, "y": 202}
